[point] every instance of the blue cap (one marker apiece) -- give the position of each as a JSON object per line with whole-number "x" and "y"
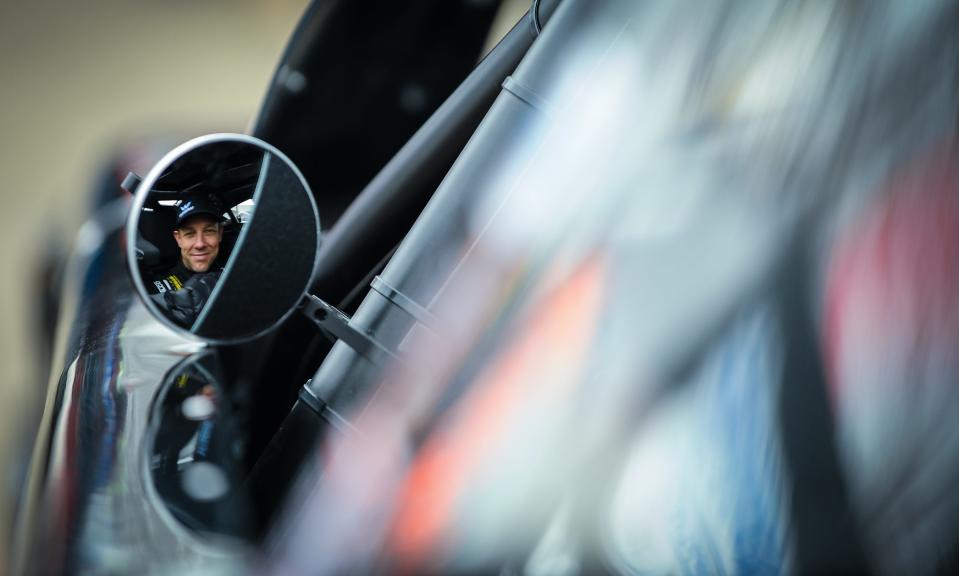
{"x": 203, "y": 204}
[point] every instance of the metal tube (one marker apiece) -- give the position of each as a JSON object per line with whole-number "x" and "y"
{"x": 384, "y": 211}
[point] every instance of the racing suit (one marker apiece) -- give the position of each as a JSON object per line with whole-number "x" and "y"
{"x": 182, "y": 293}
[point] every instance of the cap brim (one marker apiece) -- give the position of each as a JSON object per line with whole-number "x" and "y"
{"x": 198, "y": 212}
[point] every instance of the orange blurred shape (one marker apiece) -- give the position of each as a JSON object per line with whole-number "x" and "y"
{"x": 544, "y": 357}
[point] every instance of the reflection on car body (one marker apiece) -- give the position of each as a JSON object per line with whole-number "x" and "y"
{"x": 194, "y": 461}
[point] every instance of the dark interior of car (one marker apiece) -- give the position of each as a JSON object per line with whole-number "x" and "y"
{"x": 229, "y": 172}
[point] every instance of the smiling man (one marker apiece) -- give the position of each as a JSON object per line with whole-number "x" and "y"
{"x": 184, "y": 289}
{"x": 198, "y": 234}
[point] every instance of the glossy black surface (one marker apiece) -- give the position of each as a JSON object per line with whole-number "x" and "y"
{"x": 90, "y": 506}
{"x": 195, "y": 450}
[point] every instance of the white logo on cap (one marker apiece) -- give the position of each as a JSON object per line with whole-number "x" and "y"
{"x": 184, "y": 208}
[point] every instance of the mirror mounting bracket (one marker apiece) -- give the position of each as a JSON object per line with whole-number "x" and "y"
{"x": 131, "y": 183}
{"x": 336, "y": 323}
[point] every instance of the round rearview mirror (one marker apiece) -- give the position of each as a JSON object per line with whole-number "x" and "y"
{"x": 222, "y": 238}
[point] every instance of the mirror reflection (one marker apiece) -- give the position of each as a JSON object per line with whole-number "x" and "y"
{"x": 190, "y": 223}
{"x": 195, "y": 456}
{"x": 223, "y": 237}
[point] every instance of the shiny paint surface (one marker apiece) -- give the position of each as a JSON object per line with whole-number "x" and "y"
{"x": 91, "y": 506}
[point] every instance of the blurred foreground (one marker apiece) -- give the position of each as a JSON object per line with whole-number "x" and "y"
{"x": 699, "y": 311}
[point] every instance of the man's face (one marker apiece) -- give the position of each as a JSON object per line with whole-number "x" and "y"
{"x": 199, "y": 242}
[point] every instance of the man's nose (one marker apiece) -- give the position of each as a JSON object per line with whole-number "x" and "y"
{"x": 200, "y": 241}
